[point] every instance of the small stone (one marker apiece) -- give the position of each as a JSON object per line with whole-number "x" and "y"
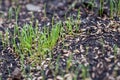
{"x": 111, "y": 78}
{"x": 32, "y": 7}
{"x": 119, "y": 29}
{"x": 9, "y": 79}
{"x": 34, "y": 78}
{"x": 77, "y": 39}
{"x": 48, "y": 59}
{"x": 118, "y": 78}
{"x": 59, "y": 78}
{"x": 38, "y": 68}
{"x": 49, "y": 79}
{"x": 40, "y": 78}
{"x": 108, "y": 60}
{"x": 37, "y": 74}
{"x": 76, "y": 51}
{"x": 28, "y": 78}
{"x": 45, "y": 66}
{"x": 68, "y": 77}
{"x": 60, "y": 5}
{"x": 118, "y": 64}
{"x": 43, "y": 62}
{"x": 81, "y": 48}
{"x": 61, "y": 13}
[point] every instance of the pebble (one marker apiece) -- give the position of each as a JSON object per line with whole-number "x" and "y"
{"x": 37, "y": 74}
{"x": 28, "y": 78}
{"x": 34, "y": 78}
{"x": 118, "y": 78}
{"x": 59, "y": 78}
{"x": 32, "y": 7}
{"x": 49, "y": 79}
{"x": 60, "y": 5}
{"x": 38, "y": 68}
{"x": 40, "y": 78}
{"x": 68, "y": 77}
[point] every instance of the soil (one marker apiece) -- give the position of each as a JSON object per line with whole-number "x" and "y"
{"x": 92, "y": 47}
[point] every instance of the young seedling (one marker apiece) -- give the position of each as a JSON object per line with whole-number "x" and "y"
{"x": 45, "y": 10}
{"x": 77, "y": 24}
{"x": 101, "y": 7}
{"x": 111, "y": 8}
{"x": 85, "y": 72}
{"x": 57, "y": 65}
{"x": 10, "y": 13}
{"x": 118, "y": 8}
{"x": 91, "y": 4}
{"x": 69, "y": 62}
{"x": 115, "y": 48}
{"x": 17, "y": 10}
{"x": 6, "y": 38}
{"x": 69, "y": 26}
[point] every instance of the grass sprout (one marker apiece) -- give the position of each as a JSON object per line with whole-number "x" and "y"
{"x": 118, "y": 8}
{"x": 69, "y": 62}
{"x": 69, "y": 26}
{"x": 111, "y": 8}
{"x": 85, "y": 72}
{"x": 33, "y": 42}
{"x": 5, "y": 38}
{"x": 10, "y": 13}
{"x": 101, "y": 7}
{"x": 17, "y": 10}
{"x": 115, "y": 48}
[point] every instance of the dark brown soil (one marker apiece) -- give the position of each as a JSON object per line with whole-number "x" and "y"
{"x": 92, "y": 47}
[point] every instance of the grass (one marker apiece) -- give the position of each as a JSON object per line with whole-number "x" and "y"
{"x": 101, "y": 7}
{"x": 115, "y": 49}
{"x": 111, "y": 8}
{"x": 34, "y": 44}
{"x": 118, "y": 8}
{"x": 10, "y": 13}
{"x": 5, "y": 38}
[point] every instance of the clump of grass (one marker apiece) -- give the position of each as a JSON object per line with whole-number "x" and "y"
{"x": 114, "y": 8}
{"x": 12, "y": 11}
{"x": 35, "y": 43}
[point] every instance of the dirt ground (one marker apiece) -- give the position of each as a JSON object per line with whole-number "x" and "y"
{"x": 93, "y": 46}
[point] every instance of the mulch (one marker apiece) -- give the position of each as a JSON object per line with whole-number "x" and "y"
{"x": 92, "y": 47}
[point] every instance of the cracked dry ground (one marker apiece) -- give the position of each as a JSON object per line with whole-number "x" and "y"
{"x": 92, "y": 50}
